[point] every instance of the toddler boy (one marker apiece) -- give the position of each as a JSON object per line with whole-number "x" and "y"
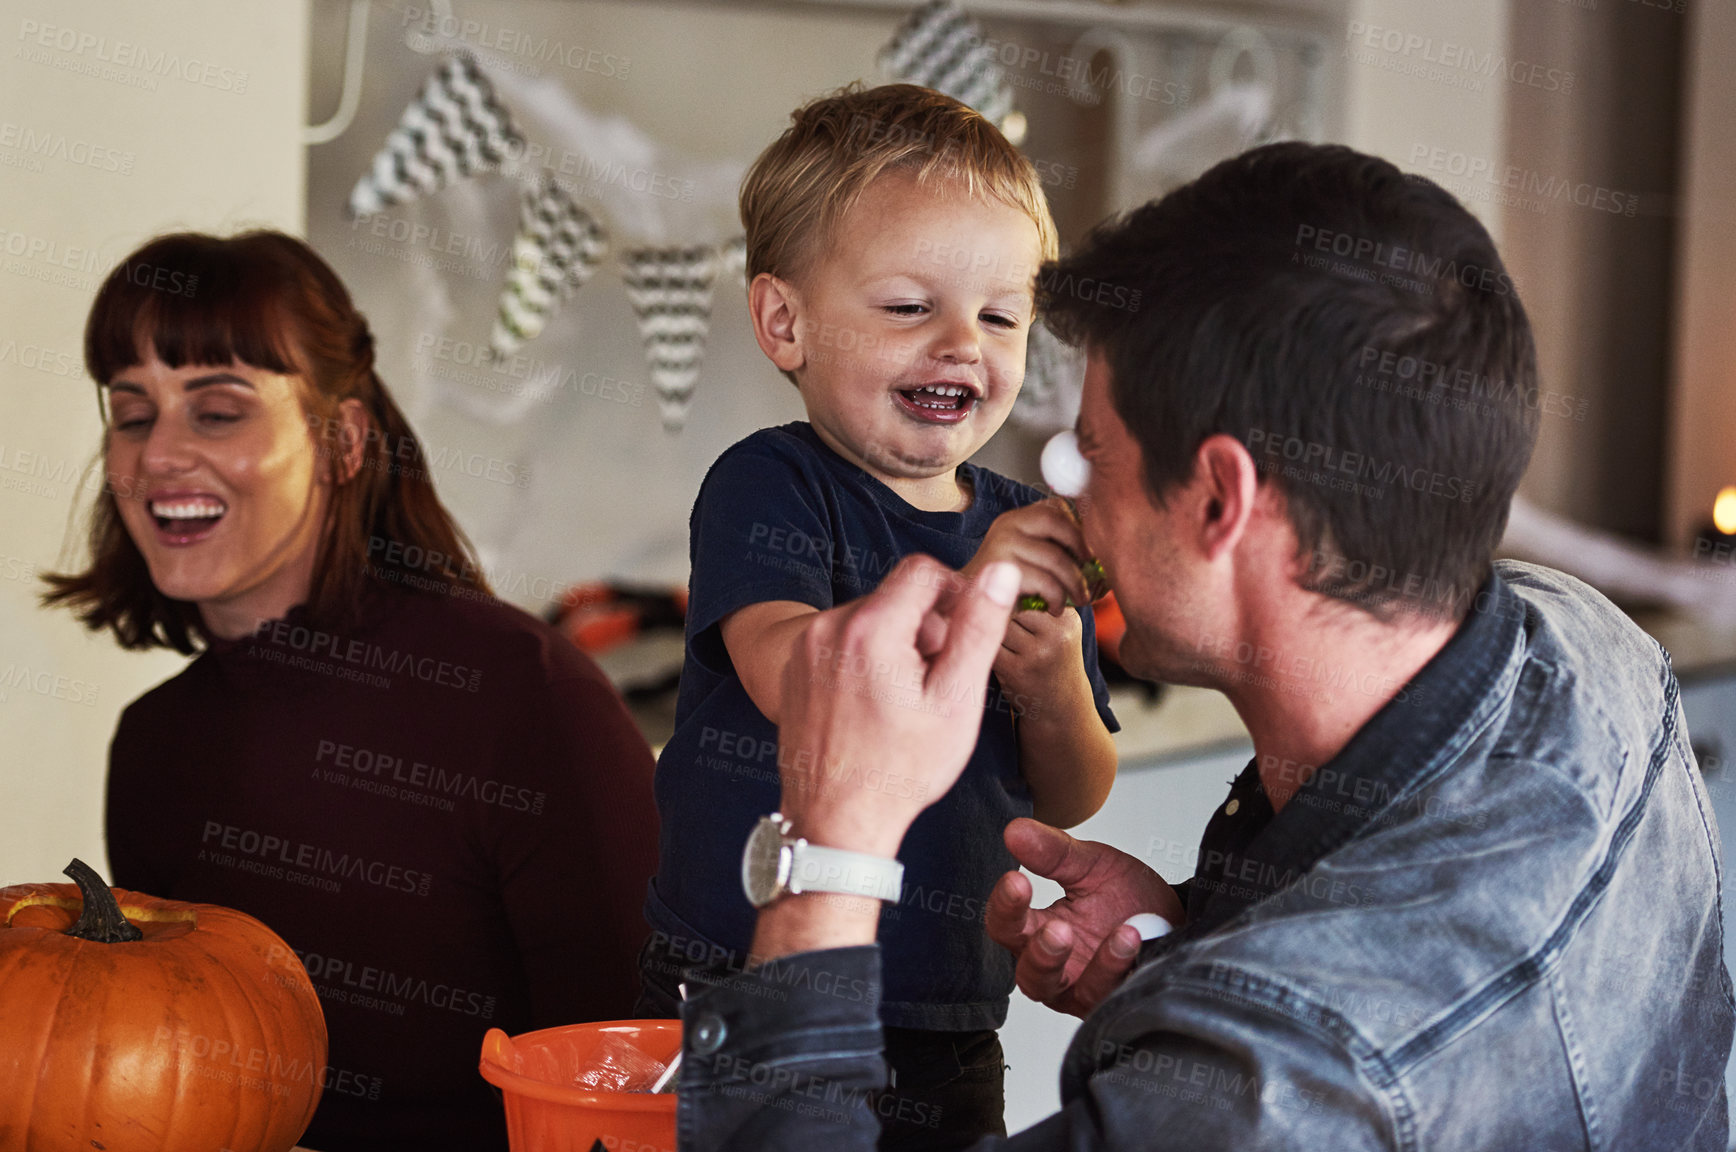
{"x": 893, "y": 241}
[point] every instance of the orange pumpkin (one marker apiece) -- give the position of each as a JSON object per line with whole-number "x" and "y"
{"x": 133, "y": 1024}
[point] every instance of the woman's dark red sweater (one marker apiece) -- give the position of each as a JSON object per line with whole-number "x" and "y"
{"x": 445, "y": 812}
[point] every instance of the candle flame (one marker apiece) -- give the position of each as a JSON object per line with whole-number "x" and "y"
{"x": 1724, "y": 511}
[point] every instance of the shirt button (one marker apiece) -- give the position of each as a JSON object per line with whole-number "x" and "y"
{"x": 1232, "y": 807}
{"x": 708, "y": 1035}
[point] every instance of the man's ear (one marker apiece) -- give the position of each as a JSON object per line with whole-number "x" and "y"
{"x": 353, "y": 426}
{"x": 775, "y": 308}
{"x": 1228, "y": 486}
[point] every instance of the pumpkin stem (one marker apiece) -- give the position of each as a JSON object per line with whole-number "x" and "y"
{"x": 101, "y": 919}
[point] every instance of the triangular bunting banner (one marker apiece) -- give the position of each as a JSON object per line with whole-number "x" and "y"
{"x": 454, "y": 128}
{"x": 732, "y": 259}
{"x": 670, "y": 290}
{"x": 1054, "y": 382}
{"x": 557, "y": 248}
{"x": 940, "y": 47}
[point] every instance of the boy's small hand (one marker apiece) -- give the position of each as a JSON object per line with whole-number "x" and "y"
{"x": 1046, "y": 544}
{"x": 1037, "y": 650}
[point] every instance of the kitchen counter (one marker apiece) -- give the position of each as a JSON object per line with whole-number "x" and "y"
{"x": 1191, "y": 722}
{"x": 1184, "y": 721}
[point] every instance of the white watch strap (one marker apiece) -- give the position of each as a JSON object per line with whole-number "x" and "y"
{"x": 817, "y": 869}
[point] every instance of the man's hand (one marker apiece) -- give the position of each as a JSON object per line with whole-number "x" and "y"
{"x": 1046, "y": 544}
{"x": 1073, "y": 953}
{"x": 882, "y": 703}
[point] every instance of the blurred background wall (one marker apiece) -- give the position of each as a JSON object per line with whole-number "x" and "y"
{"x": 117, "y": 122}
{"x": 609, "y": 491}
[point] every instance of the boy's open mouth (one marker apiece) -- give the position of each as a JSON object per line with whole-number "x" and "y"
{"x": 938, "y": 403}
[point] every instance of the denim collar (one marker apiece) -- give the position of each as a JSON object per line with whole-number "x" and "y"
{"x": 1384, "y": 759}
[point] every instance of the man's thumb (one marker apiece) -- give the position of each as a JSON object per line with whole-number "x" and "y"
{"x": 1038, "y": 846}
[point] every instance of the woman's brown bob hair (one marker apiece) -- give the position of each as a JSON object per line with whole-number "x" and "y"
{"x": 267, "y": 300}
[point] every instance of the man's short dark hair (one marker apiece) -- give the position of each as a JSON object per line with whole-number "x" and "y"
{"x": 1354, "y": 328}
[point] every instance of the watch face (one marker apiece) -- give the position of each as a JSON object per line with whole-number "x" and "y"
{"x": 761, "y": 863}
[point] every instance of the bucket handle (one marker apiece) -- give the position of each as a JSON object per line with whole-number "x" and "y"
{"x": 497, "y": 1047}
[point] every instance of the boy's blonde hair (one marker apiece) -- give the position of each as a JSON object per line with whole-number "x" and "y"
{"x": 802, "y": 185}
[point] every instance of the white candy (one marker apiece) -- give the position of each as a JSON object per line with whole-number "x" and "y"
{"x": 1064, "y": 469}
{"x": 1150, "y": 924}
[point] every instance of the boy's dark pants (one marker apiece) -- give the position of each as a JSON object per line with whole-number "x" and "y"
{"x": 945, "y": 1088}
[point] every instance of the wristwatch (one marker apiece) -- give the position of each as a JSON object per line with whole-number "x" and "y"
{"x": 776, "y": 863}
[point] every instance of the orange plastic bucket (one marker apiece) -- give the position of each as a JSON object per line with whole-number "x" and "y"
{"x": 535, "y": 1073}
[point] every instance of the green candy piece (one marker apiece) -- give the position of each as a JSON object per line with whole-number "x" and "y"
{"x": 1095, "y": 579}
{"x": 1038, "y": 604}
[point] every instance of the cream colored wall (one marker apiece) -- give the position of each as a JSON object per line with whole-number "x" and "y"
{"x": 1702, "y": 456}
{"x": 116, "y": 122}
{"x": 1593, "y": 259}
{"x": 1429, "y": 119}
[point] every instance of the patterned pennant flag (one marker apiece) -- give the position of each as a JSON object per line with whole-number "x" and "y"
{"x": 454, "y": 128}
{"x": 940, "y": 47}
{"x": 558, "y": 247}
{"x": 1054, "y": 382}
{"x": 670, "y": 290}
{"x": 732, "y": 258}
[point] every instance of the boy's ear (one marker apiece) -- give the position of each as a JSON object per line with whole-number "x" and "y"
{"x": 774, "y": 306}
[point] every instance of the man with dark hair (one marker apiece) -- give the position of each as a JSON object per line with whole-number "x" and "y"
{"x": 1354, "y": 328}
{"x": 1465, "y": 895}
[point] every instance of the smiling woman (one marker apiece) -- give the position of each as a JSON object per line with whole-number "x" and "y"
{"x": 225, "y": 380}
{"x": 257, "y": 507}
{"x": 438, "y": 802}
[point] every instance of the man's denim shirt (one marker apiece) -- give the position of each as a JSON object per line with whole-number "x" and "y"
{"x": 1492, "y": 922}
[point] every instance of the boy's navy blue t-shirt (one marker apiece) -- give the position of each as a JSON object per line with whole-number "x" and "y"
{"x": 782, "y": 517}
